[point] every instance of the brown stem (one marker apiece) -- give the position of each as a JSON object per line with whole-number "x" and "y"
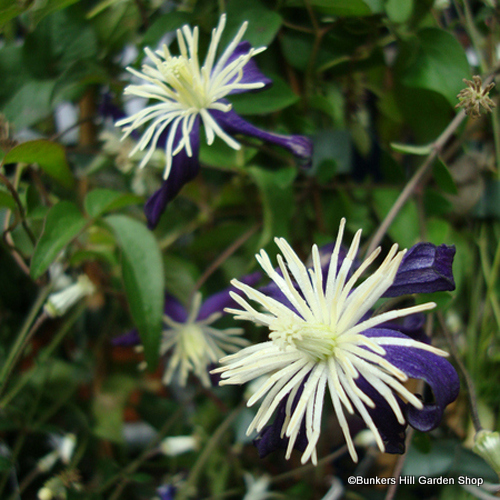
{"x": 415, "y": 180}
{"x": 224, "y": 256}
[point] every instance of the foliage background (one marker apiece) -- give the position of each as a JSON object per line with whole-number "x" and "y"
{"x": 374, "y": 84}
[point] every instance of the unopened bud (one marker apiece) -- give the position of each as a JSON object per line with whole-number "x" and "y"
{"x": 59, "y": 303}
{"x": 487, "y": 446}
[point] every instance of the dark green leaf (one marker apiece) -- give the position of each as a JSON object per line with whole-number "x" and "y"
{"x": 143, "y": 278}
{"x": 7, "y": 200}
{"x": 438, "y": 63}
{"x": 5, "y": 464}
{"x": 63, "y": 223}
{"x": 165, "y": 24}
{"x": 342, "y": 7}
{"x": 443, "y": 177}
{"x": 405, "y": 228}
{"x": 100, "y": 201}
{"x": 48, "y": 155}
{"x": 276, "y": 97}
{"x": 263, "y": 23}
{"x": 277, "y": 200}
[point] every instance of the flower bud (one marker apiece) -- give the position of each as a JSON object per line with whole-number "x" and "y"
{"x": 59, "y": 303}
{"x": 487, "y": 446}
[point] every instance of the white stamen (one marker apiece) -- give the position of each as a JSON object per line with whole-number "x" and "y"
{"x": 320, "y": 341}
{"x": 187, "y": 91}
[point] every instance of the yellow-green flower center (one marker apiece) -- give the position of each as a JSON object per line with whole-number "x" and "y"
{"x": 317, "y": 340}
{"x": 179, "y": 74}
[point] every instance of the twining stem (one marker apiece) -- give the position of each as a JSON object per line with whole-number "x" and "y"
{"x": 415, "y": 180}
{"x": 471, "y": 391}
{"x": 224, "y": 256}
{"x": 123, "y": 476}
{"x": 204, "y": 456}
{"x": 28, "y": 330}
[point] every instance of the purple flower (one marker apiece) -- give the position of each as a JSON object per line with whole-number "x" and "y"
{"x": 166, "y": 492}
{"x": 325, "y": 335}
{"x": 187, "y": 96}
{"x": 189, "y": 341}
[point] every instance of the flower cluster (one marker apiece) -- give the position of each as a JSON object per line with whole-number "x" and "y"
{"x": 323, "y": 334}
{"x": 188, "y": 95}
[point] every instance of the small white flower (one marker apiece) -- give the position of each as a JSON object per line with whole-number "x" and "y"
{"x": 194, "y": 344}
{"x": 321, "y": 336}
{"x": 177, "y": 445}
{"x": 64, "y": 447}
{"x": 257, "y": 489}
{"x": 187, "y": 92}
{"x": 58, "y": 303}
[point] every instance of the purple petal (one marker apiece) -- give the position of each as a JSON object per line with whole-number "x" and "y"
{"x": 107, "y": 109}
{"x": 127, "y": 339}
{"x": 219, "y": 301}
{"x": 269, "y": 438}
{"x": 436, "y": 371}
{"x": 391, "y": 431}
{"x": 166, "y": 492}
{"x": 426, "y": 268}
{"x": 251, "y": 72}
{"x": 174, "y": 309}
{"x": 298, "y": 145}
{"x": 184, "y": 169}
{"x": 412, "y": 326}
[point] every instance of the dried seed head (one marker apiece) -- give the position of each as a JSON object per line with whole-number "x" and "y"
{"x": 474, "y": 98}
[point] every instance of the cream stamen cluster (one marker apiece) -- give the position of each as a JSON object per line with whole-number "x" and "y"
{"x": 187, "y": 91}
{"x": 318, "y": 341}
{"x": 195, "y": 344}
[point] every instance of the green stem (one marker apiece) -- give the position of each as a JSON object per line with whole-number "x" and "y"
{"x": 125, "y": 474}
{"x": 45, "y": 355}
{"x": 490, "y": 275}
{"x": 468, "y": 379}
{"x": 28, "y": 330}
{"x": 192, "y": 479}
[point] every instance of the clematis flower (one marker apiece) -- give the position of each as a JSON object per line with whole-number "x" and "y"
{"x": 324, "y": 335}
{"x": 189, "y": 96}
{"x": 189, "y": 341}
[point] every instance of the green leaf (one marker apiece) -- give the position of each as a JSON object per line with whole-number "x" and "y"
{"x": 100, "y": 201}
{"x": 443, "y": 177}
{"x": 405, "y": 228}
{"x": 7, "y": 200}
{"x": 5, "y": 464}
{"x": 438, "y": 63}
{"x": 278, "y": 96}
{"x": 165, "y": 24}
{"x": 48, "y": 155}
{"x": 263, "y": 23}
{"x": 109, "y": 404}
{"x": 277, "y": 200}
{"x": 63, "y": 223}
{"x": 398, "y": 11}
{"x": 30, "y": 104}
{"x": 143, "y": 278}
{"x": 342, "y": 7}
{"x": 412, "y": 150}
